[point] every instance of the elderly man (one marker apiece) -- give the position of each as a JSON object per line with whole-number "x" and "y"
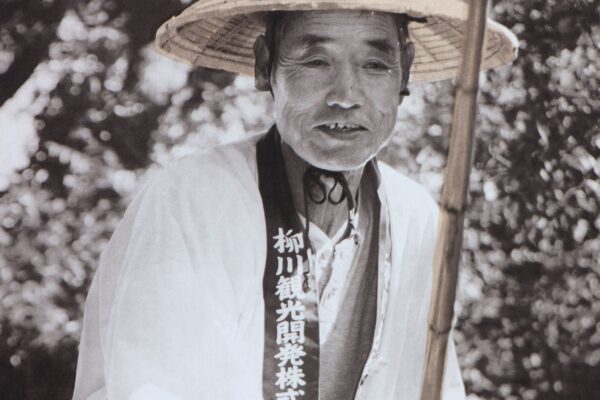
{"x": 294, "y": 266}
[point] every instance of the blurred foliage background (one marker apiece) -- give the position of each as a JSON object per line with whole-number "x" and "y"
{"x": 88, "y": 109}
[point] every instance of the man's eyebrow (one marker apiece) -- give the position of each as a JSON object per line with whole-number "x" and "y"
{"x": 382, "y": 45}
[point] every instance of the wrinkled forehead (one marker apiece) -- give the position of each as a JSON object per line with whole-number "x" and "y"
{"x": 299, "y": 23}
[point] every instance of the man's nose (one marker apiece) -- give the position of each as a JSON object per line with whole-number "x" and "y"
{"x": 345, "y": 91}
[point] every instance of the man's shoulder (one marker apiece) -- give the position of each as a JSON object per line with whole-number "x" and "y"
{"x": 213, "y": 168}
{"x": 405, "y": 192}
{"x": 232, "y": 159}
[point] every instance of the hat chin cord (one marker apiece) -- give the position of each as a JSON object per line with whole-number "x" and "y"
{"x": 314, "y": 189}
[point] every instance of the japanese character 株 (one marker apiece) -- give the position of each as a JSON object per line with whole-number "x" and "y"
{"x": 290, "y": 377}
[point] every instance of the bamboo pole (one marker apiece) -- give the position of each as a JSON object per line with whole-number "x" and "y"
{"x": 453, "y": 203}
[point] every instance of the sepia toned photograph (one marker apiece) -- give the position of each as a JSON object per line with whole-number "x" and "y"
{"x": 299, "y": 200}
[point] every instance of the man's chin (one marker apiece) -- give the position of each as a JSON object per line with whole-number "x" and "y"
{"x": 334, "y": 162}
{"x": 331, "y": 156}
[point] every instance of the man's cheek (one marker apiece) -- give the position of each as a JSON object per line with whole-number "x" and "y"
{"x": 305, "y": 80}
{"x": 295, "y": 116}
{"x": 387, "y": 105}
{"x": 306, "y": 90}
{"x": 298, "y": 103}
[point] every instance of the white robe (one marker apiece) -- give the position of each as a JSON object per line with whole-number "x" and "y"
{"x": 175, "y": 310}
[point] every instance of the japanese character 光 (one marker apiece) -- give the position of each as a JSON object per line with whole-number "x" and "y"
{"x": 294, "y": 309}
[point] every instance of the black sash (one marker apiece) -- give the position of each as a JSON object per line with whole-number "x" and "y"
{"x": 291, "y": 354}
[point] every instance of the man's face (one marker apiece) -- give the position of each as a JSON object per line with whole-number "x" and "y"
{"x": 336, "y": 84}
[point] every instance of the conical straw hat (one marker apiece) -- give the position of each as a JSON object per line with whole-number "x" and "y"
{"x": 220, "y": 33}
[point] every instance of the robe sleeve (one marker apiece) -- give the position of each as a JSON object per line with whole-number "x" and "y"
{"x": 157, "y": 317}
{"x": 173, "y": 287}
{"x": 453, "y": 387}
{"x": 139, "y": 307}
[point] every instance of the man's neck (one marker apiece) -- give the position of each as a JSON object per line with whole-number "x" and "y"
{"x": 328, "y": 217}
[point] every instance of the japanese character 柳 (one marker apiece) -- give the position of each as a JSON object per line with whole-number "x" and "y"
{"x": 288, "y": 242}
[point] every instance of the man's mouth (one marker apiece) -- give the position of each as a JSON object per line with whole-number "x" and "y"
{"x": 340, "y": 127}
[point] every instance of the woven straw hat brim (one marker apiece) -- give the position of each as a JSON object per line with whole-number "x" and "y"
{"x": 220, "y": 33}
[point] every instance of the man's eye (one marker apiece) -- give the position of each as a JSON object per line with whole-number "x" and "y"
{"x": 316, "y": 62}
{"x": 377, "y": 66}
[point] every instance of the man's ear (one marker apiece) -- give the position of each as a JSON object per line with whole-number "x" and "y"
{"x": 261, "y": 64}
{"x": 406, "y": 62}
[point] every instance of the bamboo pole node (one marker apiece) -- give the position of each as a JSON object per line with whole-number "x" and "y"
{"x": 452, "y": 209}
{"x": 439, "y": 332}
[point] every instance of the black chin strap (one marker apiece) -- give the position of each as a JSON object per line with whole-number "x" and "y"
{"x": 315, "y": 190}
